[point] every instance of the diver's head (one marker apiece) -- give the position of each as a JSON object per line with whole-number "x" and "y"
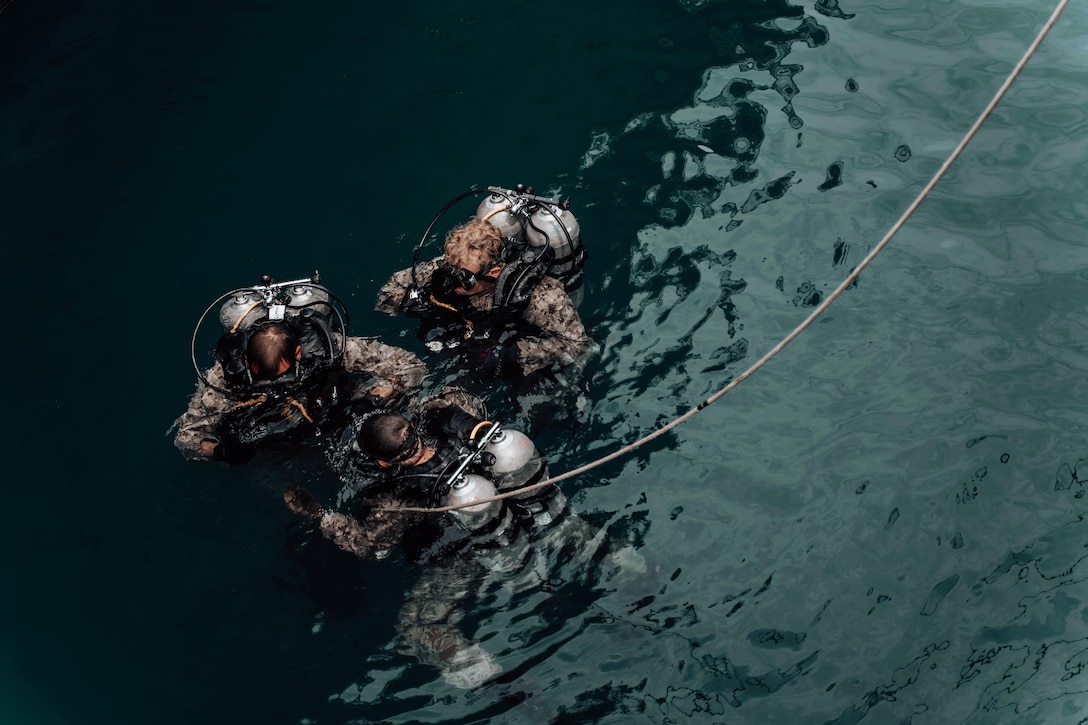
{"x": 390, "y": 438}
{"x": 473, "y": 251}
{"x": 272, "y": 351}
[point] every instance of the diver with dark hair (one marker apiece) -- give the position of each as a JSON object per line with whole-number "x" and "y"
{"x": 449, "y": 454}
{"x": 285, "y": 371}
{"x": 440, "y": 455}
{"x": 501, "y": 294}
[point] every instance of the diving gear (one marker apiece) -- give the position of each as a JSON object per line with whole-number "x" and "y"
{"x": 415, "y": 303}
{"x": 461, "y": 278}
{"x": 523, "y": 268}
{"x": 560, "y": 231}
{"x": 540, "y": 237}
{"x": 279, "y": 301}
{"x": 498, "y": 210}
{"x": 467, "y": 488}
{"x": 513, "y": 461}
{"x": 539, "y": 222}
{"x": 491, "y": 524}
{"x": 510, "y": 460}
{"x": 309, "y": 309}
{"x": 542, "y": 223}
{"x": 412, "y": 445}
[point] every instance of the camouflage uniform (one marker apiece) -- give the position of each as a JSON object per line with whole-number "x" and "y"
{"x": 561, "y": 338}
{"x": 429, "y": 621}
{"x": 393, "y": 367}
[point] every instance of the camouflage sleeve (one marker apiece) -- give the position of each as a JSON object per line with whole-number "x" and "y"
{"x": 369, "y": 539}
{"x": 394, "y": 367}
{"x": 392, "y": 292}
{"x": 199, "y": 421}
{"x": 449, "y": 395}
{"x": 374, "y": 535}
{"x": 562, "y": 338}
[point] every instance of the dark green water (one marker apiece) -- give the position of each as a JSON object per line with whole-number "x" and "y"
{"x": 882, "y": 526}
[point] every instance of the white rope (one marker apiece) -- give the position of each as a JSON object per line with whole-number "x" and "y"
{"x": 816, "y": 312}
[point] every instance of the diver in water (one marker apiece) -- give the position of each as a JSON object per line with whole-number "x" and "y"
{"x": 445, "y": 453}
{"x": 441, "y": 455}
{"x": 501, "y": 294}
{"x": 285, "y": 371}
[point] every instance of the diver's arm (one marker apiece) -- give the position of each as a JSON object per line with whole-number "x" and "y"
{"x": 196, "y": 436}
{"x": 391, "y": 297}
{"x": 452, "y": 395}
{"x": 347, "y": 533}
{"x": 397, "y": 370}
{"x": 372, "y": 541}
{"x": 457, "y": 423}
{"x": 562, "y": 338}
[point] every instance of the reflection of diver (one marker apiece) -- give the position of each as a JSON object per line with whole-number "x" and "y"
{"x": 444, "y": 455}
{"x": 567, "y": 559}
{"x": 281, "y": 370}
{"x": 501, "y": 294}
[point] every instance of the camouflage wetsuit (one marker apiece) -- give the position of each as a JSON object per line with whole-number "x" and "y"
{"x": 457, "y": 560}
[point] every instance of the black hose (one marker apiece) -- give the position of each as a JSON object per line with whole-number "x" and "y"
{"x": 427, "y": 232}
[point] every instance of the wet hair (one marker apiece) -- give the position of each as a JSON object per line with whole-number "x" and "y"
{"x": 268, "y": 348}
{"x": 473, "y": 245}
{"x": 388, "y": 437}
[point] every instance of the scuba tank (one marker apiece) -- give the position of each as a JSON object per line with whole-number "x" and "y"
{"x": 237, "y": 308}
{"x": 555, "y": 226}
{"x": 247, "y": 307}
{"x": 301, "y": 296}
{"x": 516, "y": 459}
{"x": 489, "y": 523}
{"x": 498, "y": 210}
{"x": 513, "y": 460}
{"x": 467, "y": 488}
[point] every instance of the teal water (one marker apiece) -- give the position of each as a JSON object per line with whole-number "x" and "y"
{"x": 884, "y": 525}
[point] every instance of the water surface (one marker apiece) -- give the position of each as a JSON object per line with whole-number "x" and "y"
{"x": 883, "y": 525}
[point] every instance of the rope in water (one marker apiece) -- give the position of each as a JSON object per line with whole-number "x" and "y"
{"x": 816, "y": 312}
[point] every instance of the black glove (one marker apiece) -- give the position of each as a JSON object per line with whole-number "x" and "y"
{"x": 415, "y": 303}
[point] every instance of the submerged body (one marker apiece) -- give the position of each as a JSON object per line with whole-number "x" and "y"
{"x": 461, "y": 545}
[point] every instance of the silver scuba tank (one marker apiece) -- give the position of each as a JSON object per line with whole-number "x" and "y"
{"x": 516, "y": 459}
{"x": 242, "y": 309}
{"x": 518, "y": 462}
{"x": 304, "y": 295}
{"x": 246, "y": 308}
{"x": 496, "y": 209}
{"x": 559, "y": 228}
{"x": 467, "y": 488}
